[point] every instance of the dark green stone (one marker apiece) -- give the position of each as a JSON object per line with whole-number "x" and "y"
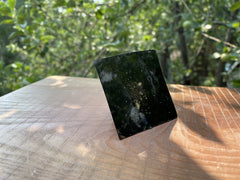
{"x": 136, "y": 92}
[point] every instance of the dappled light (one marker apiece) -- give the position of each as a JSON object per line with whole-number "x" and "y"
{"x": 143, "y": 155}
{"x": 7, "y": 114}
{"x": 72, "y": 106}
{"x": 60, "y": 129}
{"x": 82, "y": 150}
{"x": 34, "y": 128}
{"x": 59, "y": 82}
{"x": 68, "y": 133}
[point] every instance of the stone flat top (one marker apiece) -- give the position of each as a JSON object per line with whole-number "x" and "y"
{"x": 61, "y": 128}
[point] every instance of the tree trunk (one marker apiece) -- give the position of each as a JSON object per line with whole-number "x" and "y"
{"x": 219, "y": 78}
{"x": 182, "y": 41}
{"x": 165, "y": 64}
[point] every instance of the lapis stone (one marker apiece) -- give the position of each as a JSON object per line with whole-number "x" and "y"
{"x": 136, "y": 91}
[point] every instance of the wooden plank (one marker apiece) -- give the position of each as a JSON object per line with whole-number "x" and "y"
{"x": 61, "y": 128}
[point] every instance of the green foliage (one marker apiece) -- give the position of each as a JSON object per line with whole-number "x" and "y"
{"x": 4, "y": 9}
{"x": 11, "y": 4}
{"x": 235, "y": 6}
{"x": 66, "y": 36}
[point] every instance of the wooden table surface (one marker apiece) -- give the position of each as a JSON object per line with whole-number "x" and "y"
{"x": 61, "y": 128}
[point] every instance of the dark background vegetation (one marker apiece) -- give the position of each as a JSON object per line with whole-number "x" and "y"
{"x": 197, "y": 40}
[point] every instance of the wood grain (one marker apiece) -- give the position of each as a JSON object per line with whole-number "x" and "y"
{"x": 61, "y": 128}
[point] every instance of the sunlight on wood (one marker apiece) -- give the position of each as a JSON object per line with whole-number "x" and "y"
{"x": 72, "y": 106}
{"x": 34, "y": 128}
{"x": 59, "y": 82}
{"x": 8, "y": 114}
{"x": 60, "y": 129}
{"x": 82, "y": 150}
{"x": 142, "y": 155}
{"x": 68, "y": 133}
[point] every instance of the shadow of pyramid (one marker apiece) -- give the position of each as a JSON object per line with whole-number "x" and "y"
{"x": 165, "y": 158}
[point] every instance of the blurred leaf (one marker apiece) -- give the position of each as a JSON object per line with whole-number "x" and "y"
{"x": 71, "y": 3}
{"x": 207, "y": 82}
{"x": 236, "y": 83}
{"x": 147, "y": 37}
{"x": 206, "y": 27}
{"x": 25, "y": 81}
{"x": 226, "y": 49}
{"x": 99, "y": 14}
{"x": 15, "y": 34}
{"x": 225, "y": 57}
{"x": 235, "y": 6}
{"x": 69, "y": 10}
{"x": 16, "y": 65}
{"x": 44, "y": 51}
{"x": 5, "y": 10}
{"x": 235, "y": 25}
{"x": 11, "y": 4}
{"x": 7, "y": 21}
{"x": 1, "y": 64}
{"x": 59, "y": 3}
{"x": 189, "y": 71}
{"x": 2, "y": 4}
{"x": 216, "y": 55}
{"x": 21, "y": 16}
{"x": 46, "y": 38}
{"x": 26, "y": 68}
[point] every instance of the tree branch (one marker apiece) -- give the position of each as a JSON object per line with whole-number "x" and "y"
{"x": 218, "y": 40}
{"x": 197, "y": 54}
{"x": 219, "y": 23}
{"x": 91, "y": 66}
{"x": 186, "y": 6}
{"x": 133, "y": 9}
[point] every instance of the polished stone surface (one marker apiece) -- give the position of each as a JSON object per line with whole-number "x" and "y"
{"x": 136, "y": 92}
